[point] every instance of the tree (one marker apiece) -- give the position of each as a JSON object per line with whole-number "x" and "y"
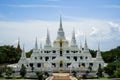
{"x": 99, "y": 73}
{"x": 117, "y": 73}
{"x": 109, "y": 69}
{"x": 40, "y": 75}
{"x": 9, "y": 71}
{"x": 8, "y": 54}
{"x": 2, "y": 57}
{"x": 46, "y": 74}
{"x": 109, "y": 56}
{"x": 74, "y": 73}
{"x": 2, "y": 69}
{"x": 93, "y": 53}
{"x": 28, "y": 54}
{"x": 23, "y": 71}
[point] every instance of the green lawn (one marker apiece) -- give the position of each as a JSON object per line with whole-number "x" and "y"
{"x": 2, "y": 78}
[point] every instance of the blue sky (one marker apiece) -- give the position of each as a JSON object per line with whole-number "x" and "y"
{"x": 50, "y": 9}
{"x": 99, "y": 20}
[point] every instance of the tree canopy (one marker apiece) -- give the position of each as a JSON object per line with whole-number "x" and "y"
{"x": 9, "y": 54}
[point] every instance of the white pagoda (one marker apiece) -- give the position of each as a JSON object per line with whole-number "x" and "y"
{"x": 61, "y": 55}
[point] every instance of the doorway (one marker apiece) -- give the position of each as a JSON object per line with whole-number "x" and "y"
{"x": 61, "y": 64}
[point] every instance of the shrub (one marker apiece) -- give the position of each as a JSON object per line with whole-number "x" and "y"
{"x": 117, "y": 73}
{"x": 23, "y": 71}
{"x": 39, "y": 75}
{"x": 9, "y": 71}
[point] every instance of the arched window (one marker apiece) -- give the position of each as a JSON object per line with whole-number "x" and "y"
{"x": 83, "y": 64}
{"x": 31, "y": 64}
{"x": 75, "y": 58}
{"x": 53, "y": 57}
{"x": 67, "y": 51}
{"x": 86, "y": 57}
{"x": 81, "y": 57}
{"x": 68, "y": 57}
{"x": 53, "y": 64}
{"x": 41, "y": 58}
{"x": 46, "y": 58}
{"x": 68, "y": 64}
{"x": 91, "y": 64}
{"x": 54, "y": 51}
{"x": 61, "y": 53}
{"x": 39, "y": 65}
{"x": 35, "y": 57}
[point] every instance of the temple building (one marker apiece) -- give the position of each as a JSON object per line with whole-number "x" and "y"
{"x": 61, "y": 55}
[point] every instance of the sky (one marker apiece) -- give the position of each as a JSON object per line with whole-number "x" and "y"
{"x": 98, "y": 20}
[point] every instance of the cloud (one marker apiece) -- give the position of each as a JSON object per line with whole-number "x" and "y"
{"x": 113, "y": 24}
{"x": 0, "y": 41}
{"x": 94, "y": 31}
{"x": 15, "y": 42}
{"x": 79, "y": 33}
{"x": 106, "y": 32}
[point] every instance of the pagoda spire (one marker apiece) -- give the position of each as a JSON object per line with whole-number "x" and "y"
{"x": 18, "y": 46}
{"x": 61, "y": 35}
{"x": 48, "y": 42}
{"x": 86, "y": 46}
{"x": 23, "y": 48}
{"x": 61, "y": 29}
{"x": 73, "y": 40}
{"x": 99, "y": 57}
{"x": 73, "y": 34}
{"x": 80, "y": 45}
{"x": 23, "y": 59}
{"x": 23, "y": 56}
{"x": 36, "y": 45}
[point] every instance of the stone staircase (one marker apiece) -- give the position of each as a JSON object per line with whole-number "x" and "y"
{"x": 61, "y": 78}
